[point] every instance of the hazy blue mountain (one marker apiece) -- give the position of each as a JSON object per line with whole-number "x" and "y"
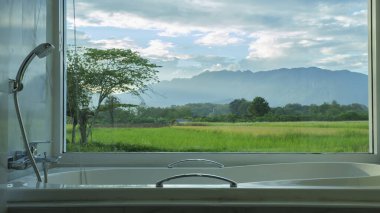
{"x": 279, "y": 87}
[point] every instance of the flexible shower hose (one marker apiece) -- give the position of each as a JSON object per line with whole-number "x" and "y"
{"x": 25, "y": 139}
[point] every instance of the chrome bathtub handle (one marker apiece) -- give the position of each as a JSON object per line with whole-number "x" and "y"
{"x": 160, "y": 183}
{"x": 171, "y": 165}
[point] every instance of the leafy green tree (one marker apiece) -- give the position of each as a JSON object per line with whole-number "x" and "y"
{"x": 111, "y": 104}
{"x": 259, "y": 107}
{"x": 78, "y": 96}
{"x": 243, "y": 109}
{"x": 104, "y": 72}
{"x": 239, "y": 107}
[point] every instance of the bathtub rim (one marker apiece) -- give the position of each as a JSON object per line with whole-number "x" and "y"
{"x": 162, "y": 159}
{"x": 81, "y": 173}
{"x": 307, "y": 197}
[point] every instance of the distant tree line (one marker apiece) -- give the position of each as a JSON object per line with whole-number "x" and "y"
{"x": 239, "y": 110}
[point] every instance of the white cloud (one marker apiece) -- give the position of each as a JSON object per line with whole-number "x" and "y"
{"x": 218, "y": 39}
{"x": 205, "y": 4}
{"x": 334, "y": 59}
{"x": 173, "y": 32}
{"x": 344, "y": 61}
{"x": 307, "y": 43}
{"x": 336, "y": 15}
{"x": 287, "y": 34}
{"x": 127, "y": 20}
{"x": 327, "y": 51}
{"x": 219, "y": 67}
{"x": 125, "y": 43}
{"x": 348, "y": 21}
{"x": 357, "y": 65}
{"x": 172, "y": 28}
{"x": 311, "y": 41}
{"x": 80, "y": 38}
{"x": 271, "y": 44}
{"x": 156, "y": 49}
{"x": 171, "y": 18}
{"x": 160, "y": 49}
{"x": 360, "y": 13}
{"x": 266, "y": 47}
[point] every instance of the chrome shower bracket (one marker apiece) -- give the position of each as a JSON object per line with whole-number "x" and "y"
{"x": 12, "y": 86}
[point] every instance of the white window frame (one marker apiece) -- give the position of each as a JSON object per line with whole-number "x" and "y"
{"x": 160, "y": 159}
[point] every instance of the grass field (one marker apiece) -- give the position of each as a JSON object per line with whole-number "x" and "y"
{"x": 233, "y": 137}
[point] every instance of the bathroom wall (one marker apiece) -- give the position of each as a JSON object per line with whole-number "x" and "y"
{"x": 4, "y": 51}
{"x": 27, "y": 29}
{"x": 23, "y": 26}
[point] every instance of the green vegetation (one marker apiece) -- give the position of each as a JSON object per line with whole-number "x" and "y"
{"x": 101, "y": 73}
{"x": 237, "y": 111}
{"x": 232, "y": 137}
{"x": 259, "y": 107}
{"x": 94, "y": 75}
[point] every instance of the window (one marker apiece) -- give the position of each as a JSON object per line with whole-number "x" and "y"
{"x": 233, "y": 81}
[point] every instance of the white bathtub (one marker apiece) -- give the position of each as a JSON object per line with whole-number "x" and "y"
{"x": 243, "y": 175}
{"x": 293, "y": 184}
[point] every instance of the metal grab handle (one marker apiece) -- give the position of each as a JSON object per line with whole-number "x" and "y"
{"x": 202, "y": 160}
{"x": 160, "y": 183}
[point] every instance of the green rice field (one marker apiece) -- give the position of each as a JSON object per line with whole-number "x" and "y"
{"x": 314, "y": 137}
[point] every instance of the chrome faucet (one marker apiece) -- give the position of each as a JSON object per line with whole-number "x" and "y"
{"x": 46, "y": 162}
{"x": 20, "y": 160}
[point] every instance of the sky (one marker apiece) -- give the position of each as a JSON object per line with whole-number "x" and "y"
{"x": 187, "y": 37}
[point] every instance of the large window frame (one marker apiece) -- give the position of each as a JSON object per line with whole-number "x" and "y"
{"x": 161, "y": 159}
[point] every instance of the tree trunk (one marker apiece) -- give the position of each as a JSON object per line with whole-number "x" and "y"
{"x": 83, "y": 134}
{"x": 90, "y": 124}
{"x": 112, "y": 117}
{"x": 73, "y": 134}
{"x": 83, "y": 118}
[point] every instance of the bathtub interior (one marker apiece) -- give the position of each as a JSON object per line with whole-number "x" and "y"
{"x": 290, "y": 174}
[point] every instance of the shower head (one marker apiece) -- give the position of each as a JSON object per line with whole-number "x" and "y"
{"x": 41, "y": 51}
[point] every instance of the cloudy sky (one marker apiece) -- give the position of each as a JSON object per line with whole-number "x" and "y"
{"x": 187, "y": 37}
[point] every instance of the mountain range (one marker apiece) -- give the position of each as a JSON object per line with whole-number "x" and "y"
{"x": 279, "y": 87}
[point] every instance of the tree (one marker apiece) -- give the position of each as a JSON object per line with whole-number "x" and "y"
{"x": 103, "y": 72}
{"x": 239, "y": 107}
{"x": 78, "y": 96}
{"x": 111, "y": 104}
{"x": 259, "y": 107}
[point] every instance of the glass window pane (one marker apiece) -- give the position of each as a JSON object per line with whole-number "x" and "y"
{"x": 218, "y": 76}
